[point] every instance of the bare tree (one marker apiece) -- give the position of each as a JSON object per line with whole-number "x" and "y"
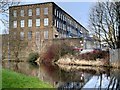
{"x": 118, "y": 20}
{"x": 11, "y": 43}
{"x": 103, "y": 23}
{"x": 17, "y": 46}
{"x": 4, "y": 10}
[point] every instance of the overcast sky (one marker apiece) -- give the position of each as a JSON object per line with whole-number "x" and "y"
{"x": 78, "y": 10}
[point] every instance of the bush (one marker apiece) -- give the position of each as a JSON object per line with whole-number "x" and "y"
{"x": 55, "y": 51}
{"x": 33, "y": 56}
{"x": 94, "y": 55}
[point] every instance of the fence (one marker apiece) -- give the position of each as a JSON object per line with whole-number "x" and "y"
{"x": 115, "y": 57}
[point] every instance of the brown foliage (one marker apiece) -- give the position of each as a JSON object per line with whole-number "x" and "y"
{"x": 95, "y": 55}
{"x": 55, "y": 51}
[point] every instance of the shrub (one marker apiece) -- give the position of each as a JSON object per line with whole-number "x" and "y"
{"x": 55, "y": 51}
{"x": 94, "y": 55}
{"x": 33, "y": 56}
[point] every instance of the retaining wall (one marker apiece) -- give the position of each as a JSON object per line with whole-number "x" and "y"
{"x": 115, "y": 57}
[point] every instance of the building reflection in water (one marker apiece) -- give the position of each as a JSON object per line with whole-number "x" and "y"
{"x": 80, "y": 78}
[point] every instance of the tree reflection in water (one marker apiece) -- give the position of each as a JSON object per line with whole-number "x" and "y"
{"x": 63, "y": 78}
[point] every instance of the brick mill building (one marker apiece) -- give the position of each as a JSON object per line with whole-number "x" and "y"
{"x": 43, "y": 22}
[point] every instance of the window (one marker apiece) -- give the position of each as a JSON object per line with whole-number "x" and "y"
{"x": 63, "y": 17}
{"x": 37, "y": 36}
{"x": 22, "y": 23}
{"x": 37, "y": 22}
{"x": 55, "y": 12}
{"x": 66, "y": 19}
{"x": 55, "y": 22}
{"x": 15, "y": 13}
{"x": 30, "y": 12}
{"x": 59, "y": 14}
{"x": 37, "y": 11}
{"x": 21, "y": 35}
{"x": 60, "y": 25}
{"x": 46, "y": 22}
{"x": 14, "y": 24}
{"x": 22, "y": 13}
{"x": 29, "y": 35}
{"x": 14, "y": 35}
{"x": 70, "y": 21}
{"x": 45, "y": 34}
{"x": 67, "y": 28}
{"x": 29, "y": 22}
{"x": 45, "y": 11}
{"x": 76, "y": 25}
{"x": 70, "y": 29}
{"x": 64, "y": 27}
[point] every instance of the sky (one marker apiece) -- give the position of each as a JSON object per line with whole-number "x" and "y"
{"x": 78, "y": 10}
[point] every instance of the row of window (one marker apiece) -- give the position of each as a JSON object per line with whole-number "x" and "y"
{"x": 22, "y": 23}
{"x": 63, "y": 26}
{"x": 29, "y": 34}
{"x": 60, "y": 25}
{"x": 30, "y": 12}
{"x": 65, "y": 18}
{"x": 37, "y": 35}
{"x": 62, "y": 35}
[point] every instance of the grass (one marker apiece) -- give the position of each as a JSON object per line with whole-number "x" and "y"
{"x": 12, "y": 79}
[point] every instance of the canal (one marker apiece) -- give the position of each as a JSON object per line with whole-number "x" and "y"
{"x": 78, "y": 77}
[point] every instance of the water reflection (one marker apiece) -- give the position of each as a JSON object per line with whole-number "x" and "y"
{"x": 69, "y": 77}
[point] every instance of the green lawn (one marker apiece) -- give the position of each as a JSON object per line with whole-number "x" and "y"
{"x": 12, "y": 79}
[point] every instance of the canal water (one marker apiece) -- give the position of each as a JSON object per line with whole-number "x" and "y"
{"x": 79, "y": 77}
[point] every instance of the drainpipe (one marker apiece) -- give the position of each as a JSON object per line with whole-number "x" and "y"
{"x": 8, "y": 53}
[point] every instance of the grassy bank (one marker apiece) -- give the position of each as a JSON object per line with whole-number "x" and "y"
{"x": 12, "y": 79}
